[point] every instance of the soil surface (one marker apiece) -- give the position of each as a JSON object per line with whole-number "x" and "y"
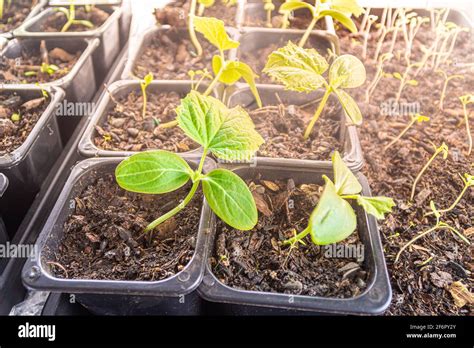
{"x": 176, "y": 13}
{"x": 27, "y": 68}
{"x": 283, "y": 128}
{"x": 55, "y": 22}
{"x": 124, "y": 128}
{"x": 423, "y": 280}
{"x": 13, "y": 132}
{"x": 256, "y": 260}
{"x": 104, "y": 238}
{"x": 15, "y": 14}
{"x": 171, "y": 58}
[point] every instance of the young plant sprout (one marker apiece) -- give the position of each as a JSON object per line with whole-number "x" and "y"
{"x": 143, "y": 86}
{"x": 333, "y": 219}
{"x": 229, "y": 134}
{"x": 192, "y": 33}
{"x": 339, "y": 10}
{"x": 71, "y": 18}
{"x": 225, "y": 71}
{"x": 438, "y": 150}
{"x": 445, "y": 85}
{"x": 404, "y": 80}
{"x": 414, "y": 118}
{"x": 468, "y": 181}
{"x": 301, "y": 70}
{"x": 366, "y": 34}
{"x": 15, "y": 117}
{"x": 440, "y": 225}
{"x": 45, "y": 68}
{"x": 465, "y": 100}
{"x": 268, "y": 7}
{"x": 204, "y": 74}
{"x": 378, "y": 75}
{"x": 203, "y": 4}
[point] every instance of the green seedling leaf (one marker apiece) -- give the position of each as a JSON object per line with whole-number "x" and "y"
{"x": 420, "y": 118}
{"x": 351, "y": 109}
{"x": 15, "y": 117}
{"x": 342, "y": 18}
{"x": 412, "y": 82}
{"x": 213, "y": 30}
{"x": 297, "y": 68}
{"x": 376, "y": 206}
{"x": 147, "y": 80}
{"x": 333, "y": 220}
{"x": 206, "y": 3}
{"x": 230, "y": 199}
{"x": 153, "y": 172}
{"x": 397, "y": 75}
{"x": 228, "y": 133}
{"x": 349, "y": 7}
{"x": 345, "y": 181}
{"x": 347, "y": 72}
{"x": 435, "y": 210}
{"x": 294, "y": 5}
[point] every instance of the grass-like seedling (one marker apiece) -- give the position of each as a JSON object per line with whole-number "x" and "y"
{"x": 225, "y": 71}
{"x": 143, "y": 86}
{"x": 443, "y": 149}
{"x": 229, "y": 134}
{"x": 268, "y": 7}
{"x": 379, "y": 73}
{"x": 468, "y": 181}
{"x": 414, "y": 118}
{"x": 340, "y": 10}
{"x": 45, "y": 68}
{"x": 465, "y": 100}
{"x": 404, "y": 80}
{"x": 71, "y": 18}
{"x": 334, "y": 219}
{"x": 445, "y": 85}
{"x": 440, "y": 225}
{"x": 301, "y": 70}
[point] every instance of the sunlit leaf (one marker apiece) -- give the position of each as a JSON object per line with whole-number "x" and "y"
{"x": 351, "y": 109}
{"x": 294, "y": 5}
{"x": 341, "y": 17}
{"x": 376, "y": 206}
{"x": 344, "y": 180}
{"x": 213, "y": 30}
{"x": 346, "y": 72}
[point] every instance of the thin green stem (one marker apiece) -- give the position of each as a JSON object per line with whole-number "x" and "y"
{"x": 144, "y": 100}
{"x": 401, "y": 134}
{"x": 192, "y": 33}
{"x": 298, "y": 237}
{"x": 308, "y": 32}
{"x": 318, "y": 112}
{"x": 421, "y": 173}
{"x": 469, "y": 136}
{"x": 186, "y": 200}
{"x": 451, "y": 207}
{"x": 415, "y": 239}
{"x": 216, "y": 79}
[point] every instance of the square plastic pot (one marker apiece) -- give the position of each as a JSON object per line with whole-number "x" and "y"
{"x": 3, "y": 230}
{"x": 108, "y": 34}
{"x": 28, "y": 165}
{"x": 80, "y": 83}
{"x": 374, "y": 300}
{"x": 34, "y": 11}
{"x": 352, "y": 154}
{"x": 172, "y": 296}
{"x": 138, "y": 45}
{"x": 87, "y": 148}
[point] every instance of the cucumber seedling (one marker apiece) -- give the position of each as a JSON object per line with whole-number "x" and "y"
{"x": 465, "y": 100}
{"x": 442, "y": 149}
{"x": 301, "y": 70}
{"x": 339, "y": 10}
{"x": 416, "y": 118}
{"x": 225, "y": 71}
{"x": 143, "y": 86}
{"x": 440, "y": 225}
{"x": 71, "y": 18}
{"x": 45, "y": 68}
{"x": 334, "y": 219}
{"x": 228, "y": 134}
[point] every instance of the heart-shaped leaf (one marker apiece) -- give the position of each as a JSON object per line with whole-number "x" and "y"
{"x": 153, "y": 172}
{"x": 213, "y": 30}
{"x": 346, "y": 72}
{"x": 230, "y": 199}
{"x": 297, "y": 68}
{"x": 333, "y": 219}
{"x": 376, "y": 206}
{"x": 344, "y": 180}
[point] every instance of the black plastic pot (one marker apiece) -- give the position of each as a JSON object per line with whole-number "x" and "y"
{"x": 374, "y": 300}
{"x": 108, "y": 34}
{"x": 87, "y": 148}
{"x": 3, "y": 230}
{"x": 172, "y": 296}
{"x": 80, "y": 83}
{"x": 34, "y": 11}
{"x": 352, "y": 154}
{"x": 28, "y": 165}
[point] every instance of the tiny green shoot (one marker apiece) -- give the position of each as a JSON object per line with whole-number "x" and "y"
{"x": 442, "y": 149}
{"x": 416, "y": 118}
{"x": 228, "y": 134}
{"x": 71, "y": 18}
{"x": 334, "y": 219}
{"x": 446, "y": 79}
{"x": 468, "y": 181}
{"x": 340, "y": 10}
{"x": 404, "y": 80}
{"x": 301, "y": 70}
{"x": 439, "y": 226}
{"x": 269, "y": 7}
{"x": 225, "y": 71}
{"x": 15, "y": 117}
{"x": 465, "y": 100}
{"x": 48, "y": 69}
{"x": 147, "y": 80}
